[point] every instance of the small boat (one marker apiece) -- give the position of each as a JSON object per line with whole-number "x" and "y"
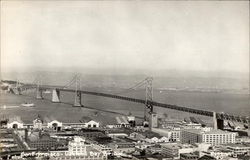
{"x": 47, "y": 92}
{"x": 28, "y": 105}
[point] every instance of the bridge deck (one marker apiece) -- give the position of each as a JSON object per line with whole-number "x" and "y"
{"x": 223, "y": 116}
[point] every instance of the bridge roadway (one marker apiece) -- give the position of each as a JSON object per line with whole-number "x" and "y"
{"x": 222, "y": 116}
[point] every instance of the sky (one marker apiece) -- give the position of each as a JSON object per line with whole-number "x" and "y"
{"x": 128, "y": 35}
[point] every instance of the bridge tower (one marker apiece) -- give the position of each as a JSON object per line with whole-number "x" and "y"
{"x": 149, "y": 115}
{"x": 56, "y": 96}
{"x": 78, "y": 94}
{"x": 18, "y": 89}
{"x": 39, "y": 92}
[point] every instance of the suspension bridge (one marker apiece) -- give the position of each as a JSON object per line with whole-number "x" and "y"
{"x": 74, "y": 86}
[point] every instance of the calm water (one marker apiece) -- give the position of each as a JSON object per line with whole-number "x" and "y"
{"x": 220, "y": 102}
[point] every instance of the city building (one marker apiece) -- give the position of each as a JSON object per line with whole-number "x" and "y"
{"x": 157, "y": 140}
{"x": 218, "y": 153}
{"x": 172, "y": 134}
{"x": 188, "y": 156}
{"x": 39, "y": 141}
{"x": 102, "y": 148}
{"x": 239, "y": 149}
{"x": 137, "y": 136}
{"x": 153, "y": 120}
{"x": 173, "y": 150}
{"x": 191, "y": 136}
{"x": 77, "y": 147}
{"x": 90, "y": 133}
{"x": 213, "y": 137}
{"x": 123, "y": 147}
{"x": 217, "y": 137}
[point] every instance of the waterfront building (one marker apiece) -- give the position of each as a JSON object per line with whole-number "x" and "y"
{"x": 53, "y": 124}
{"x": 213, "y": 137}
{"x": 15, "y": 122}
{"x": 89, "y": 123}
{"x": 119, "y": 122}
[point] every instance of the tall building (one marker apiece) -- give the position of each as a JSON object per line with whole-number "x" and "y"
{"x": 213, "y": 137}
{"x": 77, "y": 147}
{"x": 153, "y": 121}
{"x": 191, "y": 136}
{"x": 217, "y": 137}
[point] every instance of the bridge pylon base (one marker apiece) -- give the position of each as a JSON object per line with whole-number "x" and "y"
{"x": 56, "y": 96}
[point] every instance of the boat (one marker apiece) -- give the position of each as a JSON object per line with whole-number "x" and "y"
{"x": 47, "y": 92}
{"x": 28, "y": 105}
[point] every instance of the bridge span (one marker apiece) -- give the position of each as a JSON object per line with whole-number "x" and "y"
{"x": 149, "y": 103}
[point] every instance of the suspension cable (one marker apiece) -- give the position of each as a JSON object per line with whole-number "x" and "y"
{"x": 139, "y": 84}
{"x": 70, "y": 82}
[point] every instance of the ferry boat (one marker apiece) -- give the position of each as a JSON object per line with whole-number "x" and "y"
{"x": 28, "y": 105}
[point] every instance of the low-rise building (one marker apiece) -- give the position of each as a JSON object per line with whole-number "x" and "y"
{"x": 53, "y": 124}
{"x": 119, "y": 122}
{"x": 123, "y": 147}
{"x": 39, "y": 141}
{"x": 89, "y": 123}
{"x": 239, "y": 149}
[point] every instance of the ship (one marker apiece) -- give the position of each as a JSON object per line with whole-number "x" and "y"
{"x": 28, "y": 104}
